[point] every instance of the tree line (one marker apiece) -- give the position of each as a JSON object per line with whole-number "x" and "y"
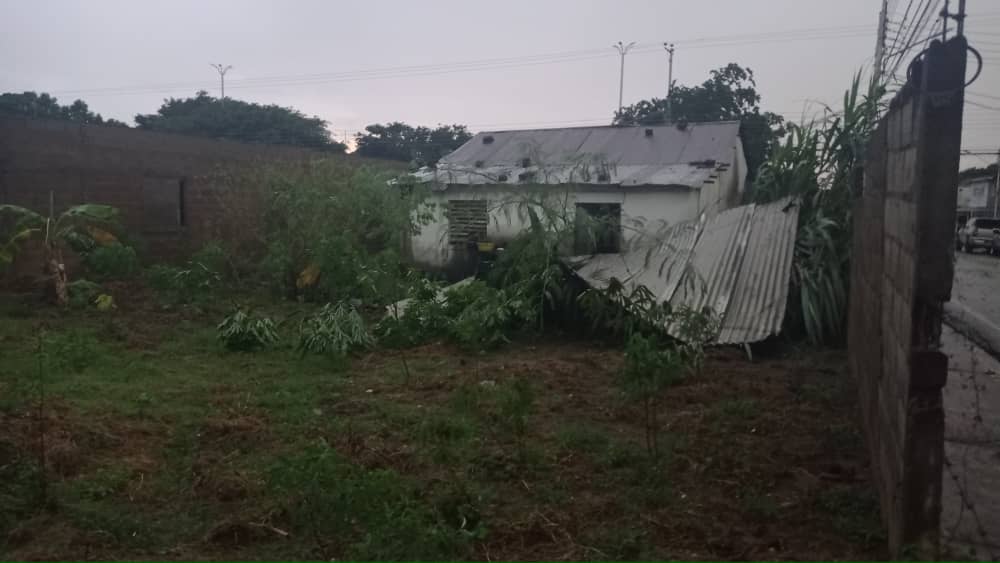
{"x": 729, "y": 94}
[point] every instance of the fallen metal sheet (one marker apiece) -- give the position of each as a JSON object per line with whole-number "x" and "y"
{"x": 757, "y": 307}
{"x": 715, "y": 262}
{"x": 736, "y": 263}
{"x": 658, "y": 262}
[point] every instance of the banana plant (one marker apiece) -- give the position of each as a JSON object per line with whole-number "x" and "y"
{"x": 79, "y": 227}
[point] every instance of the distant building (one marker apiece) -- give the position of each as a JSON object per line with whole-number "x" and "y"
{"x": 634, "y": 179}
{"x": 976, "y": 198}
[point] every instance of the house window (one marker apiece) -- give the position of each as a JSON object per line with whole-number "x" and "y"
{"x": 598, "y": 228}
{"x": 467, "y": 221}
{"x": 162, "y": 205}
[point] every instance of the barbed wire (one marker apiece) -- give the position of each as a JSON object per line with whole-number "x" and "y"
{"x": 958, "y": 469}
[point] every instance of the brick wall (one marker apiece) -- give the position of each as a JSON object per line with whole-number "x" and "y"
{"x": 166, "y": 186}
{"x": 900, "y": 276}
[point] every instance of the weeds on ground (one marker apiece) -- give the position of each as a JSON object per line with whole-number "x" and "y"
{"x": 335, "y": 330}
{"x": 650, "y": 367}
{"x": 244, "y": 332}
{"x": 582, "y": 437}
{"x": 515, "y": 401}
{"x": 353, "y": 513}
{"x": 74, "y": 350}
{"x": 450, "y": 439}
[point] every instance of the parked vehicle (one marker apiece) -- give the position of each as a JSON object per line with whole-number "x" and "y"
{"x": 978, "y": 232}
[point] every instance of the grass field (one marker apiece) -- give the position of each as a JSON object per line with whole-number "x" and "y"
{"x": 160, "y": 444}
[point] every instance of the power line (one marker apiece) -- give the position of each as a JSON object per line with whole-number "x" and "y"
{"x": 919, "y": 26}
{"x": 902, "y": 23}
{"x": 489, "y": 64}
{"x": 977, "y": 94}
{"x": 984, "y": 106}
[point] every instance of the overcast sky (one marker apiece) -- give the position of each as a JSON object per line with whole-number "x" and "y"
{"x": 491, "y": 65}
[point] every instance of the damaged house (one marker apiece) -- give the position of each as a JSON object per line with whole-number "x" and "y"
{"x": 653, "y": 176}
{"x": 669, "y": 196}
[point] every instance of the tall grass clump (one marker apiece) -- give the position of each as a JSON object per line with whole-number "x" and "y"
{"x": 820, "y": 164}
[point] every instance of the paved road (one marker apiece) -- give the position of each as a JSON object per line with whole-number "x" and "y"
{"x": 977, "y": 284}
{"x": 972, "y": 411}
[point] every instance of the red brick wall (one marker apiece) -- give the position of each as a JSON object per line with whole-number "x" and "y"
{"x": 109, "y": 165}
{"x": 900, "y": 275}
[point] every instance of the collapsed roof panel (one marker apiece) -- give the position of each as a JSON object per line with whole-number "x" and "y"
{"x": 737, "y": 263}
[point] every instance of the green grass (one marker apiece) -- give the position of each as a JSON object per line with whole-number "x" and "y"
{"x": 178, "y": 388}
{"x": 582, "y": 437}
{"x": 854, "y": 513}
{"x": 169, "y": 446}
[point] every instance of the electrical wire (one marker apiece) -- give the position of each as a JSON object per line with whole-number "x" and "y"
{"x": 485, "y": 64}
{"x": 919, "y": 27}
{"x": 984, "y": 106}
{"x": 901, "y": 26}
{"x": 981, "y": 95}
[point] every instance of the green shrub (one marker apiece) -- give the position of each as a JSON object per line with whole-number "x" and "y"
{"x": 335, "y": 329}
{"x": 485, "y": 315}
{"x": 339, "y": 219}
{"x": 213, "y": 258}
{"x": 82, "y": 293}
{"x": 112, "y": 262}
{"x": 425, "y": 317}
{"x": 194, "y": 283}
{"x": 474, "y": 315}
{"x": 243, "y": 332}
{"x": 650, "y": 367}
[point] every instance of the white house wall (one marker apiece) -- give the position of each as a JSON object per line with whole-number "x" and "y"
{"x": 652, "y": 207}
{"x": 727, "y": 189}
{"x": 646, "y": 209}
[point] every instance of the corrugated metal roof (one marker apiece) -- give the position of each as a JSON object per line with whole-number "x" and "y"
{"x": 737, "y": 263}
{"x": 624, "y": 156}
{"x": 715, "y": 261}
{"x": 658, "y": 262}
{"x": 757, "y": 308}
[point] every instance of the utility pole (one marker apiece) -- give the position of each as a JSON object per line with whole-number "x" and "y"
{"x": 960, "y": 17}
{"x": 670, "y": 79}
{"x": 883, "y": 22}
{"x": 222, "y": 76}
{"x": 944, "y": 20}
{"x": 622, "y": 50}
